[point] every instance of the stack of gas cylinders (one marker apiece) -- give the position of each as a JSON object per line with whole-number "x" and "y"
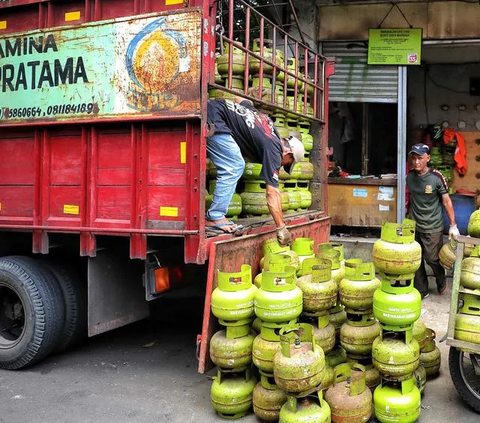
{"x": 295, "y": 187}
{"x": 328, "y": 340}
{"x": 467, "y": 322}
{"x": 397, "y": 306}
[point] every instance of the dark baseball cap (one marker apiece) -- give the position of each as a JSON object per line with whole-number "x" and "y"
{"x": 419, "y": 149}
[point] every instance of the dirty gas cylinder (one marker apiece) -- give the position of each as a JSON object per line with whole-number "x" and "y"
{"x": 396, "y": 252}
{"x": 238, "y": 60}
{"x": 232, "y": 348}
{"x": 325, "y": 246}
{"x": 372, "y": 375}
{"x": 356, "y": 289}
{"x": 474, "y": 224}
{"x": 268, "y": 399}
{"x": 279, "y": 299}
{"x": 266, "y": 345}
{"x": 233, "y": 299}
{"x": 231, "y": 393}
{"x": 338, "y": 271}
{"x": 420, "y": 376}
{"x": 323, "y": 331}
{"x": 420, "y": 333}
{"x": 467, "y": 328}
{"x": 358, "y": 333}
{"x": 300, "y": 363}
{"x": 398, "y": 402}
{"x": 430, "y": 356}
{"x": 337, "y": 316}
{"x": 349, "y": 399}
{"x": 310, "y": 409}
{"x": 319, "y": 289}
{"x": 396, "y": 354}
{"x": 470, "y": 276}
{"x": 253, "y": 198}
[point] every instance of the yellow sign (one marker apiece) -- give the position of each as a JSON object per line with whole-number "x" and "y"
{"x": 397, "y": 47}
{"x": 169, "y": 211}
{"x": 71, "y": 209}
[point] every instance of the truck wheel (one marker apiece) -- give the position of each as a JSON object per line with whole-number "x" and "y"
{"x": 75, "y": 300}
{"x": 466, "y": 382}
{"x": 32, "y": 312}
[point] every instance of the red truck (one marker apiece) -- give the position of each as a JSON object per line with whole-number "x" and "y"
{"x": 103, "y": 161}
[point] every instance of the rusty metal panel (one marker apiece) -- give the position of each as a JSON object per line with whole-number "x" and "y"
{"x": 356, "y": 81}
{"x": 140, "y": 67}
{"x": 228, "y": 256}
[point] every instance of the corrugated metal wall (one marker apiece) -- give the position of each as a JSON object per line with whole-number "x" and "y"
{"x": 354, "y": 80}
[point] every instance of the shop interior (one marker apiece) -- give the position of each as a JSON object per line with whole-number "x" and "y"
{"x": 443, "y": 97}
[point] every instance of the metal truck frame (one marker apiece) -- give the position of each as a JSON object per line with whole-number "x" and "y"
{"x": 103, "y": 158}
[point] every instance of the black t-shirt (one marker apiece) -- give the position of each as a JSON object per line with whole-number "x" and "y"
{"x": 254, "y": 133}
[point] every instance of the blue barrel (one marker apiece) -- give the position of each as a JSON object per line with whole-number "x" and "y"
{"x": 464, "y": 206}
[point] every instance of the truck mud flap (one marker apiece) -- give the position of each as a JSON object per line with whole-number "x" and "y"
{"x": 228, "y": 256}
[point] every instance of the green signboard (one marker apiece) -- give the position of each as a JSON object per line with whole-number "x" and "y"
{"x": 145, "y": 66}
{"x": 395, "y": 46}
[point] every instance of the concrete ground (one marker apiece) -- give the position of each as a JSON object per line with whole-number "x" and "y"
{"x": 147, "y": 372}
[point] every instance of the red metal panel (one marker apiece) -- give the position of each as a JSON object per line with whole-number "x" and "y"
{"x": 66, "y": 159}
{"x": 228, "y": 256}
{"x": 19, "y": 167}
{"x": 67, "y": 13}
{"x": 107, "y": 9}
{"x": 19, "y": 19}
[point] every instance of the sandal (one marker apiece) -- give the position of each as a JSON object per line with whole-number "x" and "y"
{"x": 218, "y": 228}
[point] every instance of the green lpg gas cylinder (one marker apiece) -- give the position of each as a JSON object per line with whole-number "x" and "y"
{"x": 430, "y": 356}
{"x": 294, "y": 196}
{"x": 319, "y": 289}
{"x": 469, "y": 303}
{"x": 338, "y": 271}
{"x": 254, "y": 64}
{"x": 238, "y": 60}
{"x": 235, "y": 205}
{"x": 337, "y": 316}
{"x": 231, "y": 393}
{"x": 396, "y": 253}
{"x": 268, "y": 399}
{"x": 323, "y": 331}
{"x": 473, "y": 228}
{"x": 232, "y": 348}
{"x": 279, "y": 299}
{"x": 470, "y": 276}
{"x": 233, "y": 299}
{"x": 436, "y": 157}
{"x": 252, "y": 171}
{"x": 253, "y": 198}
{"x": 325, "y": 246}
{"x": 266, "y": 345}
{"x": 305, "y": 194}
{"x": 304, "y": 248}
{"x": 420, "y": 376}
{"x": 467, "y": 328}
{"x": 273, "y": 263}
{"x": 397, "y": 402}
{"x": 372, "y": 375}
{"x": 420, "y": 333}
{"x": 358, "y": 333}
{"x": 310, "y": 409}
{"x": 300, "y": 364}
{"x": 337, "y": 356}
{"x": 328, "y": 378}
{"x": 397, "y": 305}
{"x": 356, "y": 289}
{"x": 349, "y": 399}
{"x": 304, "y": 128}
{"x": 396, "y": 354}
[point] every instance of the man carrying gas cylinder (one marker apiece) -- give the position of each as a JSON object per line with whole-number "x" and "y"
{"x": 238, "y": 131}
{"x": 428, "y": 192}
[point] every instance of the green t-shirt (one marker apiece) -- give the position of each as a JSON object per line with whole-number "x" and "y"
{"x": 425, "y": 203}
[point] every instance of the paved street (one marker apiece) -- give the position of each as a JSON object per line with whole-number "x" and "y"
{"x": 147, "y": 373}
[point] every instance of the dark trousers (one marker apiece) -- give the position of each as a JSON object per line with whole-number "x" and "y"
{"x": 431, "y": 245}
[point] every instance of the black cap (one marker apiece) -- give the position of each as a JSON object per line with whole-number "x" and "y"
{"x": 420, "y": 149}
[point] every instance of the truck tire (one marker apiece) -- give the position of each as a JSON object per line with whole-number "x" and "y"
{"x": 463, "y": 376}
{"x": 32, "y": 312}
{"x": 75, "y": 301}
